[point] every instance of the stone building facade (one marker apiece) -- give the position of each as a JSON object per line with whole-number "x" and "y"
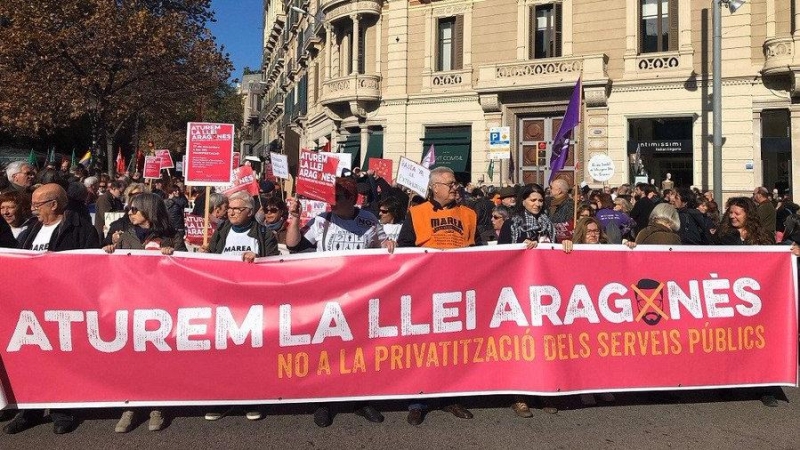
{"x": 390, "y": 78}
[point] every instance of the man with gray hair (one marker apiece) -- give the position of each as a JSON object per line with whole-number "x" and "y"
{"x": 20, "y": 175}
{"x": 439, "y": 223}
{"x": 560, "y": 209}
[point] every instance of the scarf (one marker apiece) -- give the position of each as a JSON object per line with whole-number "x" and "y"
{"x": 528, "y": 226}
{"x": 275, "y": 226}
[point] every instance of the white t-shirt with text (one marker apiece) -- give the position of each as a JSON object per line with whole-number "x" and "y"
{"x": 363, "y": 231}
{"x": 42, "y": 240}
{"x": 239, "y": 243}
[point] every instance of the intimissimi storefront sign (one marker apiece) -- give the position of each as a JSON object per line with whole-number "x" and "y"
{"x": 661, "y": 147}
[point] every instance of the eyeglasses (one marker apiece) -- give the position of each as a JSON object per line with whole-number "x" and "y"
{"x": 37, "y": 205}
{"x": 237, "y": 209}
{"x": 272, "y": 210}
{"x": 383, "y": 211}
{"x": 451, "y": 185}
{"x": 496, "y": 217}
{"x": 133, "y": 210}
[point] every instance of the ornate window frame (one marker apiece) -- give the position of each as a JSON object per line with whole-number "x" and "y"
{"x": 453, "y": 80}
{"x": 524, "y": 28}
{"x": 678, "y": 63}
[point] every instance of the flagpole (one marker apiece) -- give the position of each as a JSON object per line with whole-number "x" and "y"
{"x": 578, "y": 161}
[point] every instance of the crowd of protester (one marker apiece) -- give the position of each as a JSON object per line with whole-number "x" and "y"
{"x": 64, "y": 208}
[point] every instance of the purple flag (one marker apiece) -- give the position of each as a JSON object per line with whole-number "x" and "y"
{"x": 561, "y": 142}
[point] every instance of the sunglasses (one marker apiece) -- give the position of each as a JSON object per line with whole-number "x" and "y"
{"x": 383, "y": 211}
{"x": 271, "y": 210}
{"x": 133, "y": 210}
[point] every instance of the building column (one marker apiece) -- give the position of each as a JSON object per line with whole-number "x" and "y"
{"x": 770, "y": 20}
{"x": 328, "y": 50}
{"x": 758, "y": 166}
{"x": 355, "y": 44}
{"x": 796, "y": 31}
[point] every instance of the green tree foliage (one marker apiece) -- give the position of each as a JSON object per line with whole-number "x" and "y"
{"x": 113, "y": 60}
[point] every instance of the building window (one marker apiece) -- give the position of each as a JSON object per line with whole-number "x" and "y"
{"x": 658, "y": 25}
{"x": 545, "y": 31}
{"x": 449, "y": 51}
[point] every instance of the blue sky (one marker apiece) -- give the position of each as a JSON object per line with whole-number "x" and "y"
{"x": 239, "y": 28}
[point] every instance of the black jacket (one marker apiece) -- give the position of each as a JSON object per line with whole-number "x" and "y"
{"x": 175, "y": 207}
{"x": 73, "y": 233}
{"x": 695, "y": 227}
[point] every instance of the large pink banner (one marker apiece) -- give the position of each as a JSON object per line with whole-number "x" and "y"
{"x": 194, "y": 330}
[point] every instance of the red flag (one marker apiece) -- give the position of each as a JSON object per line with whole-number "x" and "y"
{"x": 120, "y": 162}
{"x": 139, "y": 160}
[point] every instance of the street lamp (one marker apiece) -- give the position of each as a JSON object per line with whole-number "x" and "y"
{"x": 716, "y": 86}
{"x": 303, "y": 11}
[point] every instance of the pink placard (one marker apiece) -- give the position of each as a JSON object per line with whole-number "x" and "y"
{"x": 243, "y": 179}
{"x": 209, "y": 153}
{"x": 316, "y": 176}
{"x": 152, "y": 167}
{"x": 166, "y": 159}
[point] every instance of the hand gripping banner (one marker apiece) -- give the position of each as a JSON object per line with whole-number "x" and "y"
{"x": 133, "y": 328}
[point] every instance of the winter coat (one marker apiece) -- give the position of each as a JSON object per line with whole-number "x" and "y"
{"x": 657, "y": 234}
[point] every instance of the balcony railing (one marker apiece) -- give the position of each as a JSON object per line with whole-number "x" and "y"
{"x": 275, "y": 106}
{"x": 336, "y": 9}
{"x": 352, "y": 87}
{"x": 779, "y": 54}
{"x": 540, "y": 73}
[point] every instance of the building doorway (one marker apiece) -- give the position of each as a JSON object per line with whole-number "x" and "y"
{"x": 776, "y": 150}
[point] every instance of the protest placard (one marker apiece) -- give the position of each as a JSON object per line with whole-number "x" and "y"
{"x": 194, "y": 228}
{"x": 166, "y": 159}
{"x": 310, "y": 209}
{"x": 280, "y": 165}
{"x": 152, "y": 167}
{"x": 345, "y": 161}
{"x": 382, "y": 168}
{"x": 316, "y": 177}
{"x": 243, "y": 179}
{"x": 237, "y": 159}
{"x": 209, "y": 154}
{"x": 413, "y": 176}
{"x": 110, "y": 217}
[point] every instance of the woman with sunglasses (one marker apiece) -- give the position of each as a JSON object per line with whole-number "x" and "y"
{"x": 124, "y": 222}
{"x": 149, "y": 229}
{"x": 499, "y": 216}
{"x": 391, "y": 215}
{"x": 273, "y": 215}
